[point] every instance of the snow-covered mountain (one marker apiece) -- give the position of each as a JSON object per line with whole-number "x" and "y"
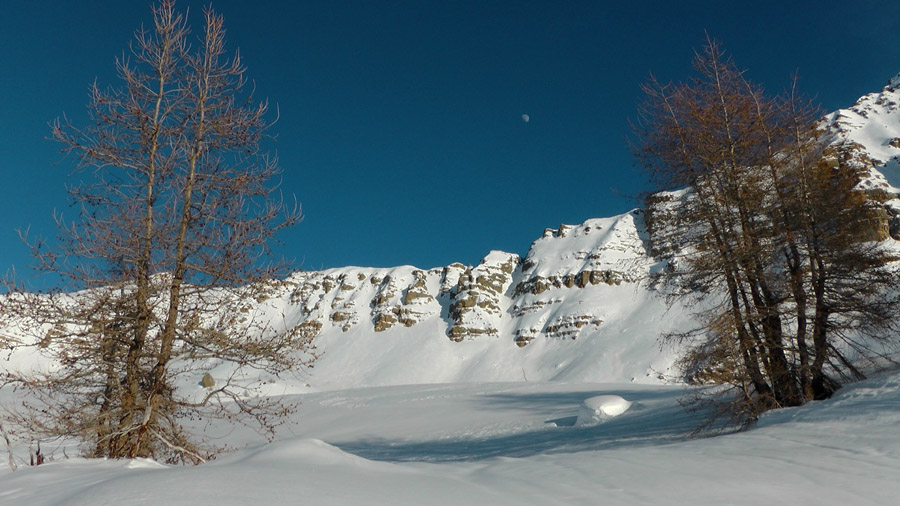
{"x": 869, "y": 133}
{"x": 578, "y": 307}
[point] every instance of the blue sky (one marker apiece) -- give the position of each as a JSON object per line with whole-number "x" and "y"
{"x": 401, "y": 129}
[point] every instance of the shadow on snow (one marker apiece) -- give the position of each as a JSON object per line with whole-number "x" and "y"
{"x": 655, "y": 418}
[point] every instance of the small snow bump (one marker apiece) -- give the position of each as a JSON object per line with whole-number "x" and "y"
{"x": 600, "y": 409}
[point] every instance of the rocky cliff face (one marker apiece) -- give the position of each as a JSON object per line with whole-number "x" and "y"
{"x": 503, "y": 297}
{"x": 496, "y": 320}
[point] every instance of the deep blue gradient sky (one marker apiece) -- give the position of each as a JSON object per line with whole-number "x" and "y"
{"x": 401, "y": 127}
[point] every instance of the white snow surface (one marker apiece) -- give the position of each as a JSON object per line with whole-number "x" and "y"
{"x": 615, "y": 243}
{"x": 511, "y": 444}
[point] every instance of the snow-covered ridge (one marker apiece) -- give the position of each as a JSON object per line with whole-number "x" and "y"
{"x": 870, "y": 129}
{"x": 574, "y": 308}
{"x": 474, "y": 300}
{"x": 612, "y": 249}
{"x": 579, "y": 306}
{"x": 867, "y": 136}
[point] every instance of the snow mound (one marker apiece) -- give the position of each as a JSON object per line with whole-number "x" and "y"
{"x": 601, "y": 408}
{"x": 290, "y": 452}
{"x": 143, "y": 464}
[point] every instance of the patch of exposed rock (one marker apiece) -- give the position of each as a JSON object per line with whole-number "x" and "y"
{"x": 476, "y": 301}
{"x": 418, "y": 303}
{"x": 569, "y": 326}
{"x": 386, "y": 304}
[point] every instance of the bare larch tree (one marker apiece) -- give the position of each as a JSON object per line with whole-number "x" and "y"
{"x": 794, "y": 293}
{"x": 176, "y": 204}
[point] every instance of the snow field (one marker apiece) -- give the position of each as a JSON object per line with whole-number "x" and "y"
{"x": 513, "y": 444}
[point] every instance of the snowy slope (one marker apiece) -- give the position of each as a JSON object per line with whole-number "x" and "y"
{"x": 577, "y": 307}
{"x": 871, "y": 131}
{"x": 513, "y": 444}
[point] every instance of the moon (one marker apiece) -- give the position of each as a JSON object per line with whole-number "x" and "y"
{"x": 526, "y": 118}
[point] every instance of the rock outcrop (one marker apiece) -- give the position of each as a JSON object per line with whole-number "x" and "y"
{"x": 503, "y": 297}
{"x": 478, "y": 301}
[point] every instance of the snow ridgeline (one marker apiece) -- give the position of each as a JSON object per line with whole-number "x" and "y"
{"x": 577, "y": 307}
{"x": 869, "y": 131}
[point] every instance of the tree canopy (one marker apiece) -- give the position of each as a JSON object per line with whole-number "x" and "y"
{"x": 768, "y": 234}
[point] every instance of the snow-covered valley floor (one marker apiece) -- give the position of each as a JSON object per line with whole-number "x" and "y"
{"x": 511, "y": 444}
